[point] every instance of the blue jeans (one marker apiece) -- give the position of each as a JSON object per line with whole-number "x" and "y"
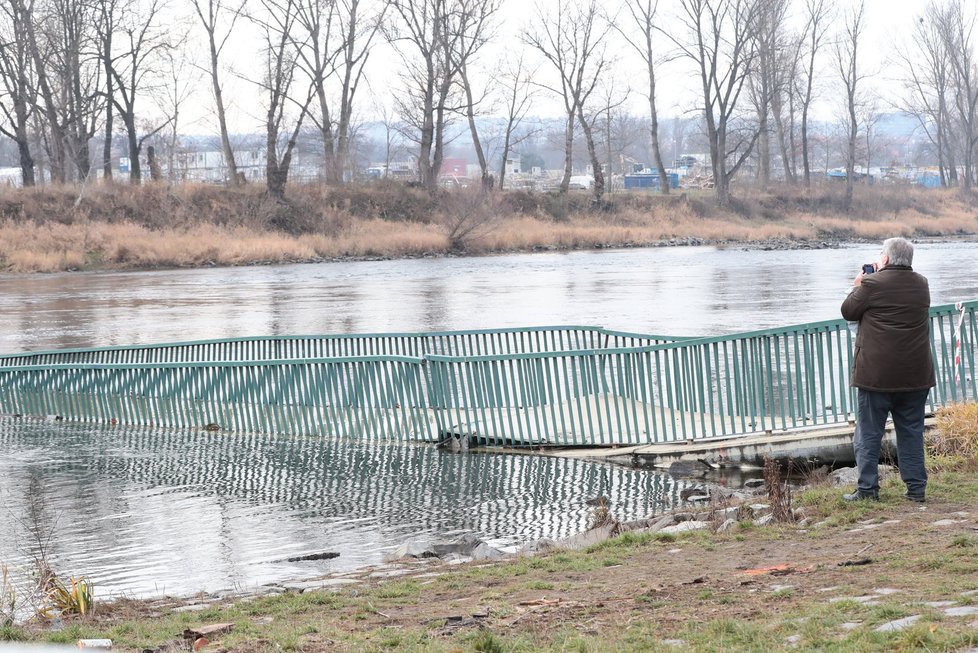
{"x": 907, "y": 409}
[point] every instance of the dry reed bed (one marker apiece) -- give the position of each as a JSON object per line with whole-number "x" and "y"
{"x": 121, "y": 227}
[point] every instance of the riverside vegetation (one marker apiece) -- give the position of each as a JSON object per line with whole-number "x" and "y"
{"x": 116, "y": 226}
{"x": 886, "y": 576}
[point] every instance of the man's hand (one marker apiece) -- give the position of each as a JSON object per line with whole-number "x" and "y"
{"x": 859, "y": 279}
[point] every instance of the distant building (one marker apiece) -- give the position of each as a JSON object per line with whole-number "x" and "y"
{"x": 209, "y": 166}
{"x": 452, "y": 167}
{"x": 513, "y": 164}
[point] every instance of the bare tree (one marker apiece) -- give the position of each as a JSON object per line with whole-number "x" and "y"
{"x": 16, "y": 75}
{"x": 178, "y": 88}
{"x": 818, "y": 18}
{"x": 928, "y": 80}
{"x": 573, "y": 39}
{"x": 471, "y": 20}
{"x": 72, "y": 59}
{"x": 212, "y": 14}
{"x": 341, "y": 35}
{"x": 54, "y": 139}
{"x": 60, "y": 37}
{"x": 519, "y": 93}
{"x": 278, "y": 23}
{"x": 392, "y": 137}
{"x": 425, "y": 31}
{"x": 958, "y": 21}
{"x": 767, "y": 82}
{"x": 610, "y": 113}
{"x": 847, "y": 60}
{"x": 720, "y": 42}
{"x": 644, "y": 15}
{"x": 106, "y": 27}
{"x": 134, "y": 68}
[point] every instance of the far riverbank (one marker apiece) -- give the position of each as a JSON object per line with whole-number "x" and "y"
{"x": 117, "y": 227}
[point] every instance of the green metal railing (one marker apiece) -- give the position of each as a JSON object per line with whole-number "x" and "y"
{"x": 570, "y": 386}
{"x": 762, "y": 381}
{"x": 458, "y": 343}
{"x": 357, "y": 397}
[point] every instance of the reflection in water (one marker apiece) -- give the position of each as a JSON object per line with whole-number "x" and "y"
{"x": 148, "y": 511}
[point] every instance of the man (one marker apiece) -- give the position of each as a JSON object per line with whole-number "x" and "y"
{"x": 891, "y": 367}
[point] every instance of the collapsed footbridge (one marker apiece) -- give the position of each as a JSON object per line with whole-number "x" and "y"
{"x": 566, "y": 386}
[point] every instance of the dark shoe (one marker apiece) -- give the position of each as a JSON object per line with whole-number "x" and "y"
{"x": 915, "y": 498}
{"x": 859, "y": 496}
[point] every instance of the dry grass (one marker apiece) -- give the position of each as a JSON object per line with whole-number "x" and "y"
{"x": 956, "y": 436}
{"x": 118, "y": 226}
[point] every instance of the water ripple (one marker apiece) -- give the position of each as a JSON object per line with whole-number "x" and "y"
{"x": 145, "y": 511}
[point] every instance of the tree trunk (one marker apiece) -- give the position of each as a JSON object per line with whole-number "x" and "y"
{"x": 221, "y": 119}
{"x": 476, "y": 143}
{"x": 22, "y": 138}
{"x": 851, "y": 153}
{"x": 764, "y": 145}
{"x": 657, "y": 150}
{"x": 83, "y": 161}
{"x": 506, "y": 145}
{"x": 438, "y": 154}
{"x": 26, "y": 163}
{"x": 132, "y": 141}
{"x": 155, "y": 174}
{"x": 593, "y": 154}
{"x": 107, "y": 143}
{"x": 568, "y": 153}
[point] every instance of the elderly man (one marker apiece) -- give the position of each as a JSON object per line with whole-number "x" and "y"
{"x": 892, "y": 367}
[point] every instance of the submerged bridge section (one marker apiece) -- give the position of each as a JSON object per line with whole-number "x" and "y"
{"x": 542, "y": 386}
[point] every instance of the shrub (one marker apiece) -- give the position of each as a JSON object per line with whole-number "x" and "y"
{"x": 76, "y": 598}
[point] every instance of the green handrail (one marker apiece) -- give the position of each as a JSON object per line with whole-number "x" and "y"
{"x": 569, "y": 386}
{"x": 461, "y": 343}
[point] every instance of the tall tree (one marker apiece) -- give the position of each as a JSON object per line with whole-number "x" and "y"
{"x": 644, "y": 20}
{"x": 719, "y": 40}
{"x": 928, "y": 80}
{"x": 851, "y": 77}
{"x": 180, "y": 79}
{"x": 958, "y": 21}
{"x": 767, "y": 81}
{"x": 59, "y": 37}
{"x": 471, "y": 19}
{"x": 341, "y": 35}
{"x": 69, "y": 29}
{"x": 817, "y": 20}
{"x": 17, "y": 100}
{"x": 425, "y": 38}
{"x": 518, "y": 94}
{"x": 212, "y": 15}
{"x": 278, "y": 23}
{"x": 106, "y": 27}
{"x": 135, "y": 67}
{"x": 573, "y": 39}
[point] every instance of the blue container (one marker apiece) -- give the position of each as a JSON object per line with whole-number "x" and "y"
{"x": 650, "y": 180}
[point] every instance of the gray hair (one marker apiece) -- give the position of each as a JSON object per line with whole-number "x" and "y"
{"x": 899, "y": 251}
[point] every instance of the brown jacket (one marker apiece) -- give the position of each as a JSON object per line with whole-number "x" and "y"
{"x": 893, "y": 344}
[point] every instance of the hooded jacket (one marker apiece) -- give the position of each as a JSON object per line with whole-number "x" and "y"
{"x": 892, "y": 352}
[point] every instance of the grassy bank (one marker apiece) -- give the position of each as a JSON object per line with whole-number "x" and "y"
{"x": 853, "y": 577}
{"x": 637, "y": 592}
{"x": 120, "y": 227}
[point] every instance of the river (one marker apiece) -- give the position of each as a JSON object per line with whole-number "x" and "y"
{"x": 147, "y": 512}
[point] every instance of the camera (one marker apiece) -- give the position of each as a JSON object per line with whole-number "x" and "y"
{"x": 868, "y": 268}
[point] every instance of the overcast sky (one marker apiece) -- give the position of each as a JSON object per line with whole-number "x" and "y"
{"x": 888, "y": 25}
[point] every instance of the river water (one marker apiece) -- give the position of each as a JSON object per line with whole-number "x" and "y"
{"x": 147, "y": 512}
